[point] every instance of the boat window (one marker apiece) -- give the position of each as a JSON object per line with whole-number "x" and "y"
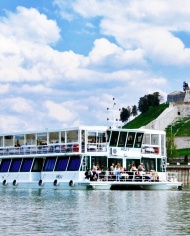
{"x": 15, "y": 165}
{"x": 154, "y": 139}
{"x": 130, "y": 162}
{"x": 122, "y": 139}
{"x": 146, "y": 139}
{"x": 8, "y": 140}
{"x": 130, "y": 139}
{"x": 138, "y": 140}
{"x": 19, "y": 140}
{"x": 5, "y": 165}
{"x": 61, "y": 164}
{"x": 101, "y": 137}
{"x": 72, "y": 136}
{"x": 49, "y": 164}
{"x": 37, "y": 166}
{"x": 91, "y": 137}
{"x": 108, "y": 135}
{"x": 114, "y": 137}
{"x": 30, "y": 139}
{"x": 26, "y": 165}
{"x": 42, "y": 139}
{"x": 159, "y": 165}
{"x": 1, "y": 141}
{"x": 63, "y": 137}
{"x": 149, "y": 163}
{"x": 100, "y": 162}
{"x": 74, "y": 163}
{"x": 54, "y": 137}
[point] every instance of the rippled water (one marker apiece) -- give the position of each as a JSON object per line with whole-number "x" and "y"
{"x": 57, "y": 212}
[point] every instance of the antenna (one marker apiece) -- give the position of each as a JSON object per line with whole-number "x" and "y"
{"x": 114, "y": 119}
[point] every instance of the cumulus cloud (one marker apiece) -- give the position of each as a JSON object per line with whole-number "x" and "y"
{"x": 145, "y": 26}
{"x": 30, "y": 25}
{"x": 48, "y": 87}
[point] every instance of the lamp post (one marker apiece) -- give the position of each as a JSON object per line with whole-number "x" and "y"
{"x": 113, "y": 110}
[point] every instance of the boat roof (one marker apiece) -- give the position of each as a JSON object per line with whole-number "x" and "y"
{"x": 88, "y": 128}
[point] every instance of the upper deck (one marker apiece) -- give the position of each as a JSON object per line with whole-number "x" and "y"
{"x": 88, "y": 140}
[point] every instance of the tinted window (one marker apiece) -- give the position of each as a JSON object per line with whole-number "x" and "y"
{"x": 49, "y": 164}
{"x": 5, "y": 165}
{"x": 15, "y": 165}
{"x": 61, "y": 164}
{"x": 114, "y": 137}
{"x": 130, "y": 139}
{"x": 26, "y": 165}
{"x": 122, "y": 139}
{"x": 74, "y": 163}
{"x": 138, "y": 140}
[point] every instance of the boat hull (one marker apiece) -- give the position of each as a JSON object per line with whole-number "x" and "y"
{"x": 99, "y": 185}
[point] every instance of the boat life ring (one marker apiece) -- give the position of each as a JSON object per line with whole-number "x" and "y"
{"x": 55, "y": 182}
{"x": 40, "y": 183}
{"x": 14, "y": 182}
{"x": 4, "y": 182}
{"x": 71, "y": 183}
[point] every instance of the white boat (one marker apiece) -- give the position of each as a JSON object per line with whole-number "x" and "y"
{"x": 63, "y": 159}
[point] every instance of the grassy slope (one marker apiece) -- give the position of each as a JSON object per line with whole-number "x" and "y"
{"x": 144, "y": 119}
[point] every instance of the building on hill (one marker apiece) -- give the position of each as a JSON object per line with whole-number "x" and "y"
{"x": 179, "y": 107}
{"x": 176, "y": 96}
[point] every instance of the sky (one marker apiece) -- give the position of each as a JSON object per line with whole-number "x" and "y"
{"x": 63, "y": 61}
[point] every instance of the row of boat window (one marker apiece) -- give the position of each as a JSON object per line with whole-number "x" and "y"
{"x": 69, "y": 163}
{"x": 131, "y": 139}
{"x": 46, "y": 138}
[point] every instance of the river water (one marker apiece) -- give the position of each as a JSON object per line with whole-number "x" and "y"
{"x": 60, "y": 212}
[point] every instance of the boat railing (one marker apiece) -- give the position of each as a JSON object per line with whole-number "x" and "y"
{"x": 123, "y": 176}
{"x": 52, "y": 148}
{"x": 96, "y": 147}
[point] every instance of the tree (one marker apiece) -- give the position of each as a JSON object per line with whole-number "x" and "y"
{"x": 134, "y": 110}
{"x": 147, "y": 101}
{"x": 143, "y": 105}
{"x": 125, "y": 114}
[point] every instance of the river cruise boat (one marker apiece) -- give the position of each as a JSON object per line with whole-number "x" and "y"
{"x": 86, "y": 157}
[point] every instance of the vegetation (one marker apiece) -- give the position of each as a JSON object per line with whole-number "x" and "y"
{"x": 180, "y": 128}
{"x": 147, "y": 117}
{"x": 150, "y": 100}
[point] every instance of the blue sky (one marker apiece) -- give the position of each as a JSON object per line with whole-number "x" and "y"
{"x": 62, "y": 61}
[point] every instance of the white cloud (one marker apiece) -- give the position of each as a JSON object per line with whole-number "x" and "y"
{"x": 58, "y": 111}
{"x": 30, "y": 25}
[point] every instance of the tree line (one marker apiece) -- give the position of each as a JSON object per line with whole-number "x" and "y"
{"x": 149, "y": 100}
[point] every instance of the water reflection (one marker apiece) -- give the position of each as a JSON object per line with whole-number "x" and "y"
{"x": 55, "y": 212}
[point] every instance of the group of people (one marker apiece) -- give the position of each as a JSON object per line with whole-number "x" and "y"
{"x": 116, "y": 171}
{"x": 105, "y": 173}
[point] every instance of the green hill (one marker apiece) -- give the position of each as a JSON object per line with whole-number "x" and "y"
{"x": 147, "y": 117}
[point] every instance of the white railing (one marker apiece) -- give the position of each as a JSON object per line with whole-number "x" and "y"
{"x": 102, "y": 175}
{"x": 56, "y": 148}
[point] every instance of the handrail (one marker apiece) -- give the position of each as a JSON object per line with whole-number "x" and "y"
{"x": 49, "y": 149}
{"x": 123, "y": 176}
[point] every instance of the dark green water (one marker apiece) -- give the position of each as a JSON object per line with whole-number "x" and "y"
{"x": 51, "y": 212}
